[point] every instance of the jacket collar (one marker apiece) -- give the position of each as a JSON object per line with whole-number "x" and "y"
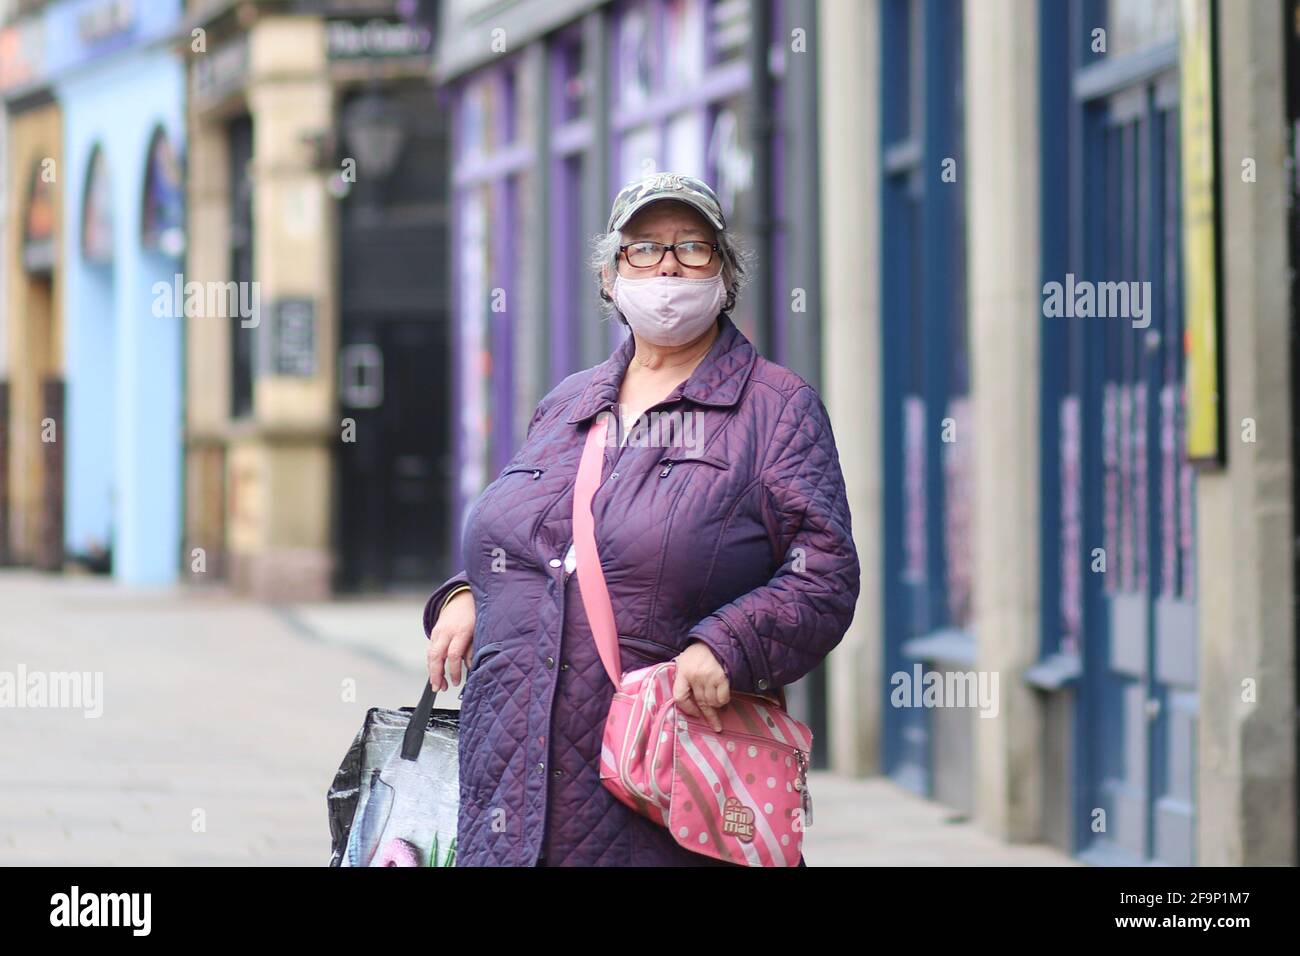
{"x": 717, "y": 380}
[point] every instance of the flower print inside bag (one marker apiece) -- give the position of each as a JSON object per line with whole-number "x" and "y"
{"x": 738, "y": 795}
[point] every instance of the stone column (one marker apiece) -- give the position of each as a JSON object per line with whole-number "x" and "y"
{"x": 207, "y": 352}
{"x": 1005, "y": 309}
{"x": 849, "y": 150}
{"x": 1246, "y": 734}
{"x": 279, "y": 471}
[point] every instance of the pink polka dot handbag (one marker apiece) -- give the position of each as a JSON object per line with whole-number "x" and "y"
{"x": 739, "y": 795}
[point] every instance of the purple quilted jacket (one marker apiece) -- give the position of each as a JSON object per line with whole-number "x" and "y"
{"x": 743, "y": 543}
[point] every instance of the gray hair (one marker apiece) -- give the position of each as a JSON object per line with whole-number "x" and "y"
{"x": 737, "y": 263}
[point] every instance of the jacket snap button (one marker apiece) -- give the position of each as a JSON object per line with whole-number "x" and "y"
{"x": 762, "y": 683}
{"x": 558, "y": 772}
{"x": 555, "y": 562}
{"x": 613, "y": 476}
{"x": 550, "y": 662}
{"x": 564, "y": 667}
{"x": 541, "y": 768}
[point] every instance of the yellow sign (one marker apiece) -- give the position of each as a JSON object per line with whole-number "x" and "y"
{"x": 1200, "y": 237}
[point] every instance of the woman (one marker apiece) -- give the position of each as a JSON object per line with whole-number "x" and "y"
{"x": 723, "y": 533}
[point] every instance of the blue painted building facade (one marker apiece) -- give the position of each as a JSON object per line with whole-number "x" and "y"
{"x": 1117, "y": 649}
{"x": 121, "y": 89}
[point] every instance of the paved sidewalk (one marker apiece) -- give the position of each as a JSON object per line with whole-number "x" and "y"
{"x": 224, "y": 720}
{"x": 874, "y": 822}
{"x": 222, "y": 727}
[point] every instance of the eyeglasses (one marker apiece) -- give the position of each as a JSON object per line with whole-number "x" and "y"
{"x": 693, "y": 253}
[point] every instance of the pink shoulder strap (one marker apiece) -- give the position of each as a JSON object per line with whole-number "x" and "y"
{"x": 591, "y": 579}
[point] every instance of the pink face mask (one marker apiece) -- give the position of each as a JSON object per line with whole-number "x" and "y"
{"x": 669, "y": 310}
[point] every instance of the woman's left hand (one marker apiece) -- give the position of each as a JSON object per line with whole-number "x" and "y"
{"x": 701, "y": 687}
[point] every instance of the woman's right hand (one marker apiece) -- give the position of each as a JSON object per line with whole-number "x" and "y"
{"x": 450, "y": 640}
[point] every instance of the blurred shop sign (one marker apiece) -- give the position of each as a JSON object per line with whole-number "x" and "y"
{"x": 293, "y": 338}
{"x": 104, "y": 20}
{"x": 470, "y": 32}
{"x": 81, "y": 31}
{"x": 376, "y": 39}
{"x": 468, "y": 8}
{"x": 1200, "y": 232}
{"x": 219, "y": 73}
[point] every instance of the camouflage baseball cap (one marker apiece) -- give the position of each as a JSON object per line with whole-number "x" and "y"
{"x": 641, "y": 193}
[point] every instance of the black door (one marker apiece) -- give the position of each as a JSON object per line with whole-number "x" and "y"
{"x": 394, "y": 367}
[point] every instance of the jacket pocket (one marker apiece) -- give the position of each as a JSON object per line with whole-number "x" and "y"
{"x": 535, "y": 471}
{"x": 484, "y": 653}
{"x": 668, "y": 463}
{"x": 654, "y": 650}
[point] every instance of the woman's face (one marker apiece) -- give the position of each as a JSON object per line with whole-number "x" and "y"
{"x": 668, "y": 222}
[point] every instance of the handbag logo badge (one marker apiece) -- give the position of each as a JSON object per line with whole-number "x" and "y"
{"x": 738, "y": 820}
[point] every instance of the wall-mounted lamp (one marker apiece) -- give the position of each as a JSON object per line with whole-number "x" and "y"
{"x": 373, "y": 130}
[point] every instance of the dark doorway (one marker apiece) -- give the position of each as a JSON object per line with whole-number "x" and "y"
{"x": 394, "y": 360}
{"x": 1139, "y": 704}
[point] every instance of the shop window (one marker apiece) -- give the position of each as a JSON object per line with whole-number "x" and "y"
{"x": 728, "y": 25}
{"x": 1114, "y": 413}
{"x": 97, "y": 212}
{"x": 683, "y": 43}
{"x": 242, "y": 340}
{"x": 570, "y": 160}
{"x": 489, "y": 172}
{"x": 636, "y": 57}
{"x": 162, "y": 225}
{"x": 570, "y": 91}
{"x": 38, "y": 222}
{"x": 684, "y": 103}
{"x": 1132, "y": 25}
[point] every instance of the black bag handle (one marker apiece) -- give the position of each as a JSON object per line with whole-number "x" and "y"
{"x": 414, "y": 738}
